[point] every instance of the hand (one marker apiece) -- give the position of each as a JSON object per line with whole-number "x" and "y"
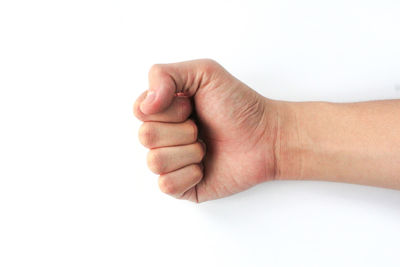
{"x": 209, "y": 134}
{"x": 248, "y": 139}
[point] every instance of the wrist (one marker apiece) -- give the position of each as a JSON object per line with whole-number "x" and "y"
{"x": 289, "y": 153}
{"x": 338, "y": 142}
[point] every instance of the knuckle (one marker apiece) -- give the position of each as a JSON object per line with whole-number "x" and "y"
{"x": 147, "y": 134}
{"x": 209, "y": 65}
{"x": 156, "y": 69}
{"x": 166, "y": 186}
{"x": 155, "y": 161}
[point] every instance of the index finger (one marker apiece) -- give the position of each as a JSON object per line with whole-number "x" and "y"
{"x": 178, "y": 111}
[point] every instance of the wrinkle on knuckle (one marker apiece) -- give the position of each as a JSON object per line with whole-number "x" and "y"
{"x": 155, "y": 161}
{"x": 208, "y": 65}
{"x": 147, "y": 134}
{"x": 166, "y": 186}
{"x": 155, "y": 69}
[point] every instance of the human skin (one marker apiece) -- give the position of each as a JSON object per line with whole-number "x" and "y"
{"x": 211, "y": 136}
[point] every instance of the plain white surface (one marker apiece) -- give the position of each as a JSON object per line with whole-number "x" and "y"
{"x": 74, "y": 188}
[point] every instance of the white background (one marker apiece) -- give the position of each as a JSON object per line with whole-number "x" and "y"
{"x": 74, "y": 187}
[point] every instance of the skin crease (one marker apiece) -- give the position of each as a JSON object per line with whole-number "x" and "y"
{"x": 249, "y": 139}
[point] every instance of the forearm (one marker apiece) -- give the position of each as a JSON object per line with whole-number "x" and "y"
{"x": 349, "y": 142}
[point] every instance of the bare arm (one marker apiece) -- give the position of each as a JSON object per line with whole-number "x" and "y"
{"x": 350, "y": 142}
{"x": 237, "y": 138}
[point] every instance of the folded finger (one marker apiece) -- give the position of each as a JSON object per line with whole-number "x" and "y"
{"x": 178, "y": 111}
{"x": 166, "y": 159}
{"x": 162, "y": 134}
{"x": 176, "y": 183}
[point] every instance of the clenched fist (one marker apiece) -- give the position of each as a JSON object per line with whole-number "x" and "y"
{"x": 209, "y": 134}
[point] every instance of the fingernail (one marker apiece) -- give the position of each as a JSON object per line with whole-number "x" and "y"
{"x": 151, "y": 95}
{"x": 203, "y": 144}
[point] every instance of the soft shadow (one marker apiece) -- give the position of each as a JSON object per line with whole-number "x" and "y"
{"x": 276, "y": 194}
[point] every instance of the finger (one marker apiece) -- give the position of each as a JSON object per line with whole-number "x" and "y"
{"x": 167, "y": 80}
{"x": 176, "y": 183}
{"x": 162, "y": 134}
{"x": 166, "y": 159}
{"x": 178, "y": 111}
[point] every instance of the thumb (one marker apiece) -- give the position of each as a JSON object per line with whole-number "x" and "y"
{"x": 167, "y": 81}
